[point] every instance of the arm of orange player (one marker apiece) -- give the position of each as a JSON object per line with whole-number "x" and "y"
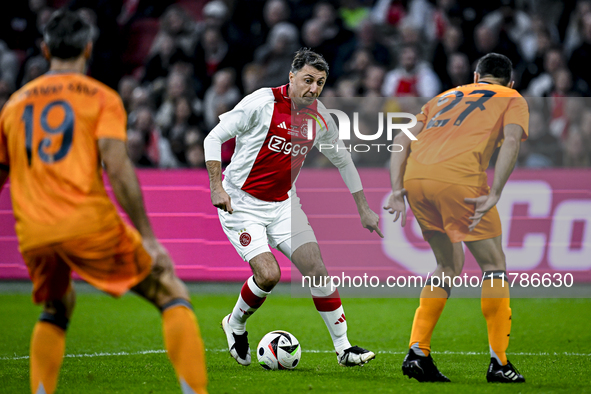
{"x": 128, "y": 193}
{"x": 503, "y": 168}
{"x": 396, "y": 204}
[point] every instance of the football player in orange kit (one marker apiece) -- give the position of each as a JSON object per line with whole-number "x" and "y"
{"x": 445, "y": 183}
{"x": 54, "y": 134}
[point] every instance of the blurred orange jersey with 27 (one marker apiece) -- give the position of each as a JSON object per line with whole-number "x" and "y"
{"x": 48, "y": 141}
{"x": 462, "y": 128}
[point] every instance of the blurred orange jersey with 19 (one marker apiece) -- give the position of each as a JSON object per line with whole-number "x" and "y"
{"x": 48, "y": 140}
{"x": 462, "y": 128}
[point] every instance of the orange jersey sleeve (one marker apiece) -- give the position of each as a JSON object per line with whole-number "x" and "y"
{"x": 462, "y": 128}
{"x": 112, "y": 118}
{"x": 51, "y": 127}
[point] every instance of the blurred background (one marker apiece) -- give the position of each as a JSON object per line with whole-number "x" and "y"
{"x": 179, "y": 64}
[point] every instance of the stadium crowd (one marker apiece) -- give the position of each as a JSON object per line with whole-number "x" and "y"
{"x": 179, "y": 64}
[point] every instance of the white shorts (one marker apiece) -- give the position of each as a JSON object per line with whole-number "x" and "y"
{"x": 256, "y": 224}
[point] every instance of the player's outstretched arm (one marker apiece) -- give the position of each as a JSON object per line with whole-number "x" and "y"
{"x": 503, "y": 168}
{"x": 396, "y": 204}
{"x": 219, "y": 198}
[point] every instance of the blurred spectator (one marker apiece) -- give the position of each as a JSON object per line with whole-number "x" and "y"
{"x": 542, "y": 85}
{"x": 515, "y": 27}
{"x": 581, "y": 57}
{"x": 157, "y": 148}
{"x": 252, "y": 77}
{"x": 313, "y": 38}
{"x": 184, "y": 122}
{"x": 213, "y": 54}
{"x": 6, "y": 90}
{"x": 276, "y": 55}
{"x": 105, "y": 63}
{"x": 459, "y": 72}
{"x": 136, "y": 148}
{"x": 535, "y": 68}
{"x": 165, "y": 54}
{"x": 573, "y": 38}
{"x": 177, "y": 86}
{"x": 18, "y": 23}
{"x": 334, "y": 34}
{"x": 487, "y": 40}
{"x": 194, "y": 153}
{"x": 365, "y": 38}
{"x": 357, "y": 66}
{"x": 353, "y": 13}
{"x": 585, "y": 128}
{"x": 452, "y": 42}
{"x": 575, "y": 154}
{"x": 125, "y": 89}
{"x": 412, "y": 78}
{"x": 220, "y": 97}
{"x": 34, "y": 67}
{"x": 373, "y": 81}
{"x": 177, "y": 24}
{"x": 140, "y": 97}
{"x": 541, "y": 149}
{"x": 9, "y": 64}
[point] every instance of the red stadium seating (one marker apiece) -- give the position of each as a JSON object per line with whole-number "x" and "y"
{"x": 193, "y": 7}
{"x": 140, "y": 35}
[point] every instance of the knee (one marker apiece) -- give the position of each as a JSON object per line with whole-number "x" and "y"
{"x": 58, "y": 312}
{"x": 268, "y": 278}
{"x": 162, "y": 285}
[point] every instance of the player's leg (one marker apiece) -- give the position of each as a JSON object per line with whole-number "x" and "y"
{"x": 52, "y": 286}
{"x": 254, "y": 292}
{"x": 182, "y": 337}
{"x": 495, "y": 304}
{"x": 450, "y": 261}
{"x": 307, "y": 258}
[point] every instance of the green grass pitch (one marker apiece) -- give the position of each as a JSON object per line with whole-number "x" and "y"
{"x": 550, "y": 345}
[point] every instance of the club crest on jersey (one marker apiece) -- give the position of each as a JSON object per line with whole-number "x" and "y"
{"x": 245, "y": 237}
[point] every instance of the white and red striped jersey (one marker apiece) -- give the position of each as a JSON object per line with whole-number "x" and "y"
{"x": 272, "y": 142}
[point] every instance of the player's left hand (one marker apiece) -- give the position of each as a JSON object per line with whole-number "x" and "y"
{"x": 397, "y": 205}
{"x": 483, "y": 205}
{"x": 371, "y": 221}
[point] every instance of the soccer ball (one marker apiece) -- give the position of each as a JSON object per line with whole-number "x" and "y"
{"x": 279, "y": 350}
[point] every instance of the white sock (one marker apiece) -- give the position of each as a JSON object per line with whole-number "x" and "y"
{"x": 250, "y": 299}
{"x": 329, "y": 306}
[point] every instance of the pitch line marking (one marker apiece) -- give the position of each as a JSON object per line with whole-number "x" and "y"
{"x": 446, "y": 352}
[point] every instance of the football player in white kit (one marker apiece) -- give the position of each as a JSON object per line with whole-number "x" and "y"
{"x": 258, "y": 204}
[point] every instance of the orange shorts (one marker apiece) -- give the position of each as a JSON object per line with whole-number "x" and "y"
{"x": 112, "y": 261}
{"x": 439, "y": 206}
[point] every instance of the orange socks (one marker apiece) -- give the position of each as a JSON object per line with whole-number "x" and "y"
{"x": 185, "y": 346}
{"x": 426, "y": 317}
{"x": 496, "y": 311}
{"x": 48, "y": 344}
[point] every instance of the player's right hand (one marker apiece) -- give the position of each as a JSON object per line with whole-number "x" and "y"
{"x": 397, "y": 205}
{"x": 482, "y": 205}
{"x": 161, "y": 260}
{"x": 221, "y": 200}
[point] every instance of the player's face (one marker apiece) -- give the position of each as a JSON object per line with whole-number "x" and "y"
{"x": 306, "y": 85}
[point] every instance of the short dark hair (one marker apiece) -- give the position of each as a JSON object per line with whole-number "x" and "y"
{"x": 306, "y": 56}
{"x": 66, "y": 34}
{"x": 497, "y": 66}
